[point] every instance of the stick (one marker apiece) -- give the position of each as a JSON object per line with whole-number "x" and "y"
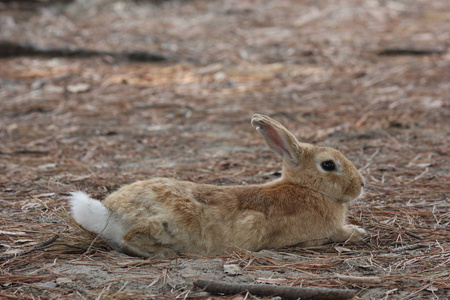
{"x": 40, "y": 246}
{"x": 409, "y": 51}
{"x": 25, "y": 151}
{"x": 14, "y": 49}
{"x": 285, "y": 292}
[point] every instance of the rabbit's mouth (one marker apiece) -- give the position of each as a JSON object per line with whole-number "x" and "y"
{"x": 345, "y": 198}
{"x": 348, "y": 195}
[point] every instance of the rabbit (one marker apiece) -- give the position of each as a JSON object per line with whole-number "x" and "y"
{"x": 164, "y": 217}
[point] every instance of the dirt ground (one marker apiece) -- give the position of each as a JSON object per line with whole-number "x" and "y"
{"x": 371, "y": 78}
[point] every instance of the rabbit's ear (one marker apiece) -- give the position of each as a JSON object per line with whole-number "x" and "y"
{"x": 279, "y": 139}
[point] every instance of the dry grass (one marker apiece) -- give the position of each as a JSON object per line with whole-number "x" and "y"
{"x": 314, "y": 67}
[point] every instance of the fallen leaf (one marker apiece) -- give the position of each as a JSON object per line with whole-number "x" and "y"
{"x": 360, "y": 279}
{"x": 78, "y": 88}
{"x": 342, "y": 249}
{"x": 48, "y": 284}
{"x": 432, "y": 289}
{"x": 47, "y": 166}
{"x": 63, "y": 280}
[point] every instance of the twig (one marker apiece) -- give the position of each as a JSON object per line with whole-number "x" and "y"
{"x": 420, "y": 175}
{"x": 71, "y": 246}
{"x": 419, "y": 290}
{"x": 409, "y": 247}
{"x": 40, "y": 246}
{"x": 413, "y": 235}
{"x": 286, "y": 292}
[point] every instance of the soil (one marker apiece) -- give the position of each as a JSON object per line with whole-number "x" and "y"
{"x": 370, "y": 78}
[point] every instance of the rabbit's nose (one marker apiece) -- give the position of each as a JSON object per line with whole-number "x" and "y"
{"x": 362, "y": 184}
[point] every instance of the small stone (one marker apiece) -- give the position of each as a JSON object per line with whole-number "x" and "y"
{"x": 232, "y": 269}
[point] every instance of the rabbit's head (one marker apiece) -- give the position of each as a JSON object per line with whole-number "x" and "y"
{"x": 322, "y": 169}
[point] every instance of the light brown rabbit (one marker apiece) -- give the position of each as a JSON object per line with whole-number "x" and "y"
{"x": 163, "y": 217}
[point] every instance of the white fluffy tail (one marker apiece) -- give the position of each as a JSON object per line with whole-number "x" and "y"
{"x": 94, "y": 216}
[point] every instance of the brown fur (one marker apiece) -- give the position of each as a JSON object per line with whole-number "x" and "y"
{"x": 306, "y": 206}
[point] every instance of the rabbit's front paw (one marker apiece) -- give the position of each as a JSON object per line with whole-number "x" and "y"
{"x": 349, "y": 233}
{"x": 356, "y": 233}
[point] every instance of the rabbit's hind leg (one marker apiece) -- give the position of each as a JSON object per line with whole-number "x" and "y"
{"x": 150, "y": 239}
{"x": 147, "y": 251}
{"x": 348, "y": 233}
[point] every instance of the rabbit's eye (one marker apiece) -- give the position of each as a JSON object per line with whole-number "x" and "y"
{"x": 328, "y": 165}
